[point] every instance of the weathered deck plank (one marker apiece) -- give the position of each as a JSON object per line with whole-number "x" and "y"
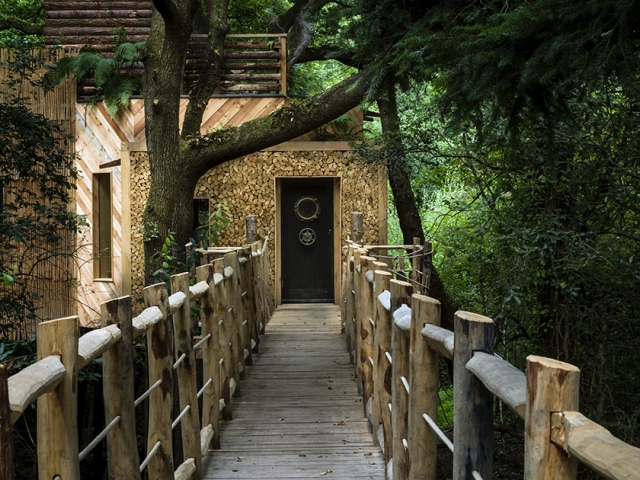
{"x": 300, "y": 415}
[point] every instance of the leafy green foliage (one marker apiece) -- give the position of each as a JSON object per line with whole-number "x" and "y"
{"x": 216, "y": 224}
{"x": 252, "y": 16}
{"x": 29, "y": 11}
{"x": 114, "y": 77}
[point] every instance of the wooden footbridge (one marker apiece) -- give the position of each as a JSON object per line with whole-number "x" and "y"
{"x": 287, "y": 400}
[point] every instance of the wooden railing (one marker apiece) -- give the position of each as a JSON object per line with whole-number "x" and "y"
{"x": 234, "y": 303}
{"x": 397, "y": 340}
{"x": 254, "y": 64}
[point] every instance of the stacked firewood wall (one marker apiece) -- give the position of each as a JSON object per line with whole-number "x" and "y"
{"x": 246, "y": 186}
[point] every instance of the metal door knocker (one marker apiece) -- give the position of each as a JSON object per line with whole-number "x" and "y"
{"x": 307, "y": 208}
{"x": 307, "y": 236}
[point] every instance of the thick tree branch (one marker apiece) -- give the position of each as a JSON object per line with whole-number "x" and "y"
{"x": 298, "y": 23}
{"x": 208, "y": 79}
{"x": 286, "y": 123}
{"x": 22, "y": 25}
{"x": 327, "y": 52}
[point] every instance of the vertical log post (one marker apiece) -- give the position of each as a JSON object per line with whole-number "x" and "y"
{"x": 6, "y": 433}
{"x": 357, "y": 305}
{"x": 415, "y": 264}
{"x": 423, "y": 398}
{"x": 235, "y": 313}
{"x": 58, "y": 410}
{"x": 366, "y": 330}
{"x": 473, "y": 416}
{"x": 257, "y": 279}
{"x": 224, "y": 339}
{"x": 252, "y": 229}
{"x": 382, "y": 367}
{"x": 350, "y": 313}
{"x": 160, "y": 364}
{"x": 357, "y": 231}
{"x": 357, "y": 227}
{"x": 118, "y": 377}
{"x": 210, "y": 355}
{"x": 248, "y": 305}
{"x": 187, "y": 375}
{"x": 552, "y": 386}
{"x": 427, "y": 262}
{"x": 255, "y": 298}
{"x": 400, "y": 294}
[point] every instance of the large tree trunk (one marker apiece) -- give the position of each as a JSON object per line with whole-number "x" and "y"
{"x": 170, "y": 204}
{"x": 403, "y": 197}
{"x": 177, "y": 161}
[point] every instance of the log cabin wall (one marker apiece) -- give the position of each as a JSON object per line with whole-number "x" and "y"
{"x": 83, "y": 22}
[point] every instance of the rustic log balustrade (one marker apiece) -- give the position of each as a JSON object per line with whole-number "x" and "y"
{"x": 400, "y": 382}
{"x": 235, "y": 304}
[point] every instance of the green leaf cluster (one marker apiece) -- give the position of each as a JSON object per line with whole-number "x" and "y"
{"x": 114, "y": 76}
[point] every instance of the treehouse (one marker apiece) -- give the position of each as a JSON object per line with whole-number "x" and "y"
{"x": 301, "y": 191}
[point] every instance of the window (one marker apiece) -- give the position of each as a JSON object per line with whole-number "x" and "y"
{"x": 102, "y": 225}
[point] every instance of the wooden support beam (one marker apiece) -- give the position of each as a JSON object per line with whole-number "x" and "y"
{"x": 503, "y": 380}
{"x": 93, "y": 344}
{"x": 186, "y": 375}
{"x": 473, "y": 414}
{"x": 58, "y": 410}
{"x": 382, "y": 367}
{"x": 118, "y": 375}
{"x": 6, "y": 431}
{"x": 210, "y": 355}
{"x": 367, "y": 329}
{"x": 594, "y": 446}
{"x": 357, "y": 227}
{"x": 252, "y": 229}
{"x": 160, "y": 364}
{"x": 235, "y": 315}
{"x": 552, "y": 386}
{"x": 400, "y": 295}
{"x": 224, "y": 338}
{"x": 35, "y": 380}
{"x": 424, "y": 381}
{"x": 350, "y": 313}
{"x": 357, "y": 338}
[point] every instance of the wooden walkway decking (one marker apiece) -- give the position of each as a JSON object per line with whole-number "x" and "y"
{"x": 300, "y": 415}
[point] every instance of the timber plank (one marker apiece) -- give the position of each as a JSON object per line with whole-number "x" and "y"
{"x": 300, "y": 415}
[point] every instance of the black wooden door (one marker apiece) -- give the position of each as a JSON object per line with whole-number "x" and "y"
{"x": 307, "y": 240}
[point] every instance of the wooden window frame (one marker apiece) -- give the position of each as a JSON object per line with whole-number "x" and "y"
{"x": 102, "y": 216}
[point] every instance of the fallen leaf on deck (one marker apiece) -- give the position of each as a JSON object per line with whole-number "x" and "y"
{"x": 326, "y": 472}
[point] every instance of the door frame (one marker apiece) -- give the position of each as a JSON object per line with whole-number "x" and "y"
{"x": 337, "y": 233}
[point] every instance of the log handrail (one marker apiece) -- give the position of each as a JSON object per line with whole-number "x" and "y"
{"x": 407, "y": 342}
{"x": 53, "y": 376}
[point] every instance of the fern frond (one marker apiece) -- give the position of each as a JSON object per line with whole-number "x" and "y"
{"x": 125, "y": 52}
{"x": 104, "y": 69}
{"x": 84, "y": 64}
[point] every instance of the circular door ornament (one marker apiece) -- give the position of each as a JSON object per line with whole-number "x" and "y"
{"x": 307, "y": 236}
{"x": 307, "y": 208}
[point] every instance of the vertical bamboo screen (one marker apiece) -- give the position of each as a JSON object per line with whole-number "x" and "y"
{"x": 52, "y": 279}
